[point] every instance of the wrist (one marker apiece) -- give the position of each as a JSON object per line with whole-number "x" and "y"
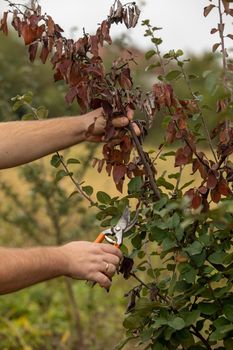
{"x": 89, "y": 119}
{"x": 60, "y": 261}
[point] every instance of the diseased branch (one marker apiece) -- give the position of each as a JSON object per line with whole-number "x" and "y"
{"x": 144, "y": 161}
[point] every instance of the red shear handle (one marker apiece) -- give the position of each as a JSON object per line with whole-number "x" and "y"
{"x": 100, "y": 238}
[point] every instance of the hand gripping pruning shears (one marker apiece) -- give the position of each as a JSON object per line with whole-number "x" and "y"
{"x": 114, "y": 235}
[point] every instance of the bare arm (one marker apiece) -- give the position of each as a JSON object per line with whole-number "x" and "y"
{"x": 20, "y": 268}
{"x": 24, "y": 141}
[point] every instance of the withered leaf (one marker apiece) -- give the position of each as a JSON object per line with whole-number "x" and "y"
{"x": 211, "y": 181}
{"x": 3, "y": 23}
{"x": 126, "y": 267}
{"x": 181, "y": 158}
{"x": 119, "y": 172}
{"x": 215, "y": 195}
{"x": 202, "y": 189}
{"x": 207, "y": 9}
{"x": 94, "y": 45}
{"x": 44, "y": 52}
{"x": 50, "y": 25}
{"x": 16, "y": 23}
{"x": 215, "y": 46}
{"x": 213, "y": 30}
{"x": 100, "y": 165}
{"x": 32, "y": 51}
{"x": 71, "y": 95}
{"x": 223, "y": 188}
{"x": 196, "y": 201}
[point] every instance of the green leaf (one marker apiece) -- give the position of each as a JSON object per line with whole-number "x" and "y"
{"x": 135, "y": 184}
{"x": 103, "y": 197}
{"x": 190, "y": 317}
{"x": 157, "y": 234}
{"x": 152, "y": 66}
{"x": 221, "y": 332}
{"x": 17, "y": 105}
{"x": 149, "y": 54}
{"x": 42, "y": 112}
{"x": 157, "y": 41}
{"x": 166, "y": 121}
{"x": 228, "y": 344}
{"x": 60, "y": 174}
{"x": 162, "y": 182}
{"x": 217, "y": 257}
{"x": 168, "y": 244}
{"x": 172, "y": 75}
{"x": 28, "y": 97}
{"x": 179, "y": 53}
{"x": 177, "y": 323}
{"x": 194, "y": 248}
{"x": 56, "y": 160}
{"x": 228, "y": 311}
{"x": 145, "y": 22}
{"x": 132, "y": 322}
{"x": 193, "y": 76}
{"x": 174, "y": 176}
{"x": 73, "y": 161}
{"x": 88, "y": 190}
{"x": 187, "y": 272}
{"x": 186, "y": 184}
{"x": 207, "y": 308}
{"x": 28, "y": 116}
{"x": 158, "y": 346}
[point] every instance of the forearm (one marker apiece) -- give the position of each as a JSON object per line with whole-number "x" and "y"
{"x": 20, "y": 268}
{"x": 24, "y": 141}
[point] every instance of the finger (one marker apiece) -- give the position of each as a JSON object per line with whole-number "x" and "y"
{"x": 130, "y": 114}
{"x": 112, "y": 259}
{"x": 103, "y": 280}
{"x": 109, "y": 269}
{"x": 108, "y": 248}
{"x": 120, "y": 122}
{"x": 136, "y": 129}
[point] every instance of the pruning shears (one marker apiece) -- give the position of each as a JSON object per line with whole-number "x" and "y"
{"x": 114, "y": 235}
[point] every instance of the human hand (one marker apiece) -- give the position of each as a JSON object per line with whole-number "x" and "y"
{"x": 95, "y": 123}
{"x": 91, "y": 261}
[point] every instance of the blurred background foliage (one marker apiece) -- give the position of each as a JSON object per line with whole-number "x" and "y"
{"x": 35, "y": 211}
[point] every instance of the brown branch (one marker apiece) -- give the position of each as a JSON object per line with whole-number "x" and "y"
{"x": 200, "y": 336}
{"x": 144, "y": 161}
{"x": 223, "y": 49}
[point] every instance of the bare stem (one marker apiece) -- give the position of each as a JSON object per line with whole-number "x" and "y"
{"x": 77, "y": 185}
{"x": 223, "y": 50}
{"x": 200, "y": 336}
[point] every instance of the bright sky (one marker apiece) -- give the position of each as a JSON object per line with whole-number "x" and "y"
{"x": 184, "y": 25}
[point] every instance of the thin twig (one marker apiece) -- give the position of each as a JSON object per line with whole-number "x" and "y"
{"x": 200, "y": 336}
{"x": 200, "y": 112}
